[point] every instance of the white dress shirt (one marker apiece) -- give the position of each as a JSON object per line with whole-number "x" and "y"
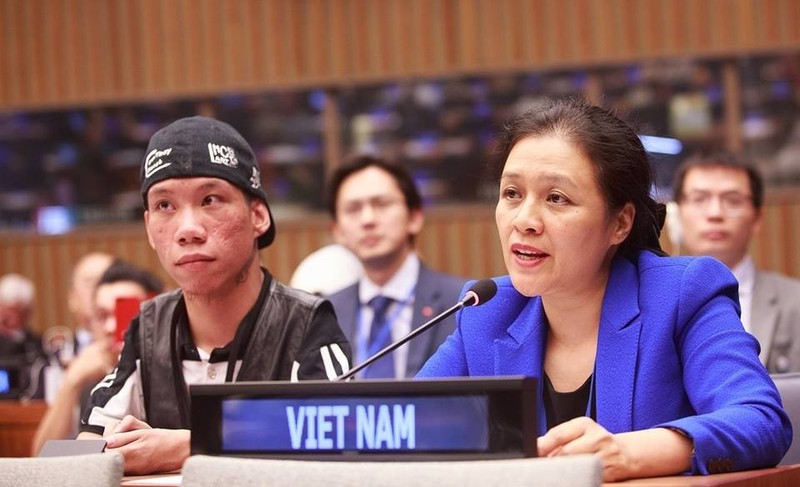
{"x": 745, "y": 273}
{"x": 401, "y": 288}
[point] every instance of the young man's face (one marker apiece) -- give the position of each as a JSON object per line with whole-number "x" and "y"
{"x": 372, "y": 219}
{"x": 717, "y": 215}
{"x": 204, "y": 231}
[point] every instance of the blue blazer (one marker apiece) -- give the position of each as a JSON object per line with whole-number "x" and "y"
{"x": 435, "y": 291}
{"x": 671, "y": 352}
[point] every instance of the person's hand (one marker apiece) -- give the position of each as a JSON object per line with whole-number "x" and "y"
{"x": 584, "y": 435}
{"x": 91, "y": 365}
{"x": 147, "y": 450}
{"x": 645, "y": 453}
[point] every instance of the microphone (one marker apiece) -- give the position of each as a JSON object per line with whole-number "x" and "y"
{"x": 478, "y": 293}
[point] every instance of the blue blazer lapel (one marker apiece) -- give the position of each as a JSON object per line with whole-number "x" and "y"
{"x": 617, "y": 348}
{"x": 521, "y": 351}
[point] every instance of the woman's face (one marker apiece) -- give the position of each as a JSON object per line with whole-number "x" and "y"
{"x": 554, "y": 228}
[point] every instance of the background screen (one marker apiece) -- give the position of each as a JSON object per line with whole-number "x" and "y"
{"x": 5, "y": 383}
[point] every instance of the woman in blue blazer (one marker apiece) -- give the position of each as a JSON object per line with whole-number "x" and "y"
{"x": 642, "y": 357}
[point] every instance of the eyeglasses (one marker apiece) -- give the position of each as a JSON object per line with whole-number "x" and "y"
{"x": 378, "y": 205}
{"x": 731, "y": 204}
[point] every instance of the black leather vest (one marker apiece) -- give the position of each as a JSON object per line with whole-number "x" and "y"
{"x": 272, "y": 348}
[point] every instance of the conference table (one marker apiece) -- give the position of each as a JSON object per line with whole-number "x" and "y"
{"x": 788, "y": 476}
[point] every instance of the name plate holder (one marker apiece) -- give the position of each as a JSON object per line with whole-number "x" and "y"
{"x": 424, "y": 419}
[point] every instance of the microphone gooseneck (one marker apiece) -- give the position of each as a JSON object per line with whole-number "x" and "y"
{"x": 478, "y": 293}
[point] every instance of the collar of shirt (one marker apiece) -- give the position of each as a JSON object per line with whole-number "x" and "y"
{"x": 189, "y": 350}
{"x": 399, "y": 287}
{"x": 745, "y": 273}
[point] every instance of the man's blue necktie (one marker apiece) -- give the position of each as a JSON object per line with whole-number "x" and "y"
{"x": 380, "y": 336}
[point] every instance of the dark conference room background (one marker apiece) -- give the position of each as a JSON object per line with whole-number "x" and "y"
{"x": 62, "y": 169}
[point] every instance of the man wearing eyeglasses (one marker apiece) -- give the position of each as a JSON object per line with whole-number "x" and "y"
{"x": 720, "y": 197}
{"x": 377, "y": 214}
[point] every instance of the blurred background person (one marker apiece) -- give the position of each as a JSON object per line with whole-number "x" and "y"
{"x": 720, "y": 197}
{"x": 120, "y": 280}
{"x": 21, "y": 354}
{"x": 377, "y": 214}
{"x": 61, "y": 343}
{"x": 327, "y": 270}
{"x": 82, "y": 283}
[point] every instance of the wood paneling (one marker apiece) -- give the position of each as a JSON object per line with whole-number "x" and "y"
{"x": 462, "y": 241}
{"x": 57, "y": 53}
{"x": 18, "y": 422}
{"x": 48, "y": 261}
{"x": 458, "y": 241}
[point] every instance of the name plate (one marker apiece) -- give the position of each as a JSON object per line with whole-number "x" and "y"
{"x": 413, "y": 419}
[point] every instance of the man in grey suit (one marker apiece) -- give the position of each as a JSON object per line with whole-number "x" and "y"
{"x": 720, "y": 198}
{"x": 377, "y": 213}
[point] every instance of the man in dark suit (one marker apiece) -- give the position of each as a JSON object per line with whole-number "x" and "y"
{"x": 720, "y": 197}
{"x": 377, "y": 213}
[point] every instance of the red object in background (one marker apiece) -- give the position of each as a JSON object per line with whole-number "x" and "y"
{"x": 124, "y": 311}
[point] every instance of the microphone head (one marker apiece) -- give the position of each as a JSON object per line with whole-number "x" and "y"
{"x": 480, "y": 292}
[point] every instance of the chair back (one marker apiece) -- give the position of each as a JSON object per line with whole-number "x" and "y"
{"x": 567, "y": 471}
{"x": 95, "y": 470}
{"x": 789, "y": 387}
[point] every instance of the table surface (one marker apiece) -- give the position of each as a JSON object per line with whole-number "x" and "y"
{"x": 788, "y": 476}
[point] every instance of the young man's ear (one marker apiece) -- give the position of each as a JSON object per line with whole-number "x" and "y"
{"x": 261, "y": 219}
